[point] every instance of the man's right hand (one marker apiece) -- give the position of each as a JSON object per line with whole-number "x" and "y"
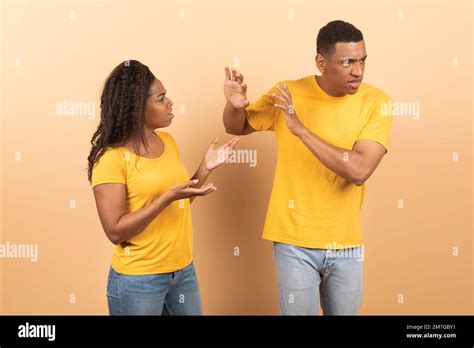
{"x": 235, "y": 89}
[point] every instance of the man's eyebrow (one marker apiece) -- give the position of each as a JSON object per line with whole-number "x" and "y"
{"x": 364, "y": 57}
{"x": 159, "y": 95}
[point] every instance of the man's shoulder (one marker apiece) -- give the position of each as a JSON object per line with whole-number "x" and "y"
{"x": 371, "y": 92}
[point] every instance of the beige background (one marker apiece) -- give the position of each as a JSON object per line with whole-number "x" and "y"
{"x": 55, "y": 51}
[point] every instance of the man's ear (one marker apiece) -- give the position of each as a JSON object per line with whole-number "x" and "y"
{"x": 320, "y": 63}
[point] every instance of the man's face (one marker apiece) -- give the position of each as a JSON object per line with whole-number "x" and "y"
{"x": 344, "y": 68}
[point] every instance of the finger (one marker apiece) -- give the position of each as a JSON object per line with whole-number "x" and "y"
{"x": 280, "y": 98}
{"x": 208, "y": 192}
{"x": 229, "y": 143}
{"x": 234, "y": 73}
{"x": 187, "y": 184}
{"x": 208, "y": 189}
{"x": 214, "y": 143}
{"x": 199, "y": 192}
{"x": 283, "y": 94}
{"x": 287, "y": 91}
{"x": 283, "y": 107}
{"x": 232, "y": 146}
{"x": 239, "y": 76}
{"x": 234, "y": 142}
{"x": 192, "y": 191}
{"x": 227, "y": 73}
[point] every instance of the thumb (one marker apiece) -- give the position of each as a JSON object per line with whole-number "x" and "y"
{"x": 188, "y": 183}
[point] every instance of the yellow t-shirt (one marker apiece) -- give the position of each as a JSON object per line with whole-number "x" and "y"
{"x": 165, "y": 245}
{"x": 311, "y": 206}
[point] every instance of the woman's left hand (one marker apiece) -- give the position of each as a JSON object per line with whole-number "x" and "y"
{"x": 216, "y": 156}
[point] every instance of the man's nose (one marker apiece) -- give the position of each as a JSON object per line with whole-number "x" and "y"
{"x": 357, "y": 70}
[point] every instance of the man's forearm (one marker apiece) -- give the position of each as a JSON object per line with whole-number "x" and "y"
{"x": 234, "y": 119}
{"x": 343, "y": 162}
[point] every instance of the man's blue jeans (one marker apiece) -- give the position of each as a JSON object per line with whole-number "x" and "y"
{"x": 306, "y": 274}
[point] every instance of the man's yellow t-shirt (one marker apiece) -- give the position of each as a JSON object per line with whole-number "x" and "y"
{"x": 311, "y": 206}
{"x": 165, "y": 245}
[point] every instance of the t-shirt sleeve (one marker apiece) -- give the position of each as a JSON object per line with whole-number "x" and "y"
{"x": 109, "y": 169}
{"x": 262, "y": 113}
{"x": 379, "y": 122}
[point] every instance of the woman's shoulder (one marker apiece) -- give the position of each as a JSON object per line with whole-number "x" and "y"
{"x": 165, "y": 135}
{"x": 112, "y": 154}
{"x": 168, "y": 139}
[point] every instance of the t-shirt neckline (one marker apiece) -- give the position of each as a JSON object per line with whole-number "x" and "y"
{"x": 153, "y": 158}
{"x": 323, "y": 93}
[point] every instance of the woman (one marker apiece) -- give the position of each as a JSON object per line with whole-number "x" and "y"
{"x": 143, "y": 195}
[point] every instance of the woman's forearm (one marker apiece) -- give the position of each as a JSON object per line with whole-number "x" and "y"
{"x": 201, "y": 174}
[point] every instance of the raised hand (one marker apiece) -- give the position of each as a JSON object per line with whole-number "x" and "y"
{"x": 215, "y": 156}
{"x": 286, "y": 104}
{"x": 235, "y": 90}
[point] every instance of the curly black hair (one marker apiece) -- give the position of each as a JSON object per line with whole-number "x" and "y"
{"x": 122, "y": 109}
{"x": 334, "y": 32}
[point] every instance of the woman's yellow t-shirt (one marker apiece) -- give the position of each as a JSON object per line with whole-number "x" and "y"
{"x": 165, "y": 245}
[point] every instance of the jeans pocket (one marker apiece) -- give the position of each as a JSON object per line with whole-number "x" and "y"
{"x": 112, "y": 283}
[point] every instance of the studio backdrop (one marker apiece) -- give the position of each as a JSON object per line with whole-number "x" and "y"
{"x": 417, "y": 213}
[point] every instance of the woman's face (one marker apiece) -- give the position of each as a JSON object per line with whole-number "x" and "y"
{"x": 158, "y": 109}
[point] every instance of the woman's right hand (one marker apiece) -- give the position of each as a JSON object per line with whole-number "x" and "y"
{"x": 185, "y": 190}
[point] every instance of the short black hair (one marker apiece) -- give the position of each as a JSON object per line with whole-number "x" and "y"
{"x": 334, "y": 32}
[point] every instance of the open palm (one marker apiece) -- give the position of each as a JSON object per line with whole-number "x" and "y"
{"x": 235, "y": 90}
{"x": 216, "y": 156}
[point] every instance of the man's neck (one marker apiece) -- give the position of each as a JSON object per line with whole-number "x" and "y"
{"x": 321, "y": 81}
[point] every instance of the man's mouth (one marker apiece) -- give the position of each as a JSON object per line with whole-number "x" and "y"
{"x": 354, "y": 83}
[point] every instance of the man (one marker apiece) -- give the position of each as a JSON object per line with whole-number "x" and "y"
{"x": 331, "y": 135}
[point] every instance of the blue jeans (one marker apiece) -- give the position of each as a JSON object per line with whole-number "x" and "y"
{"x": 175, "y": 293}
{"x": 306, "y": 274}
